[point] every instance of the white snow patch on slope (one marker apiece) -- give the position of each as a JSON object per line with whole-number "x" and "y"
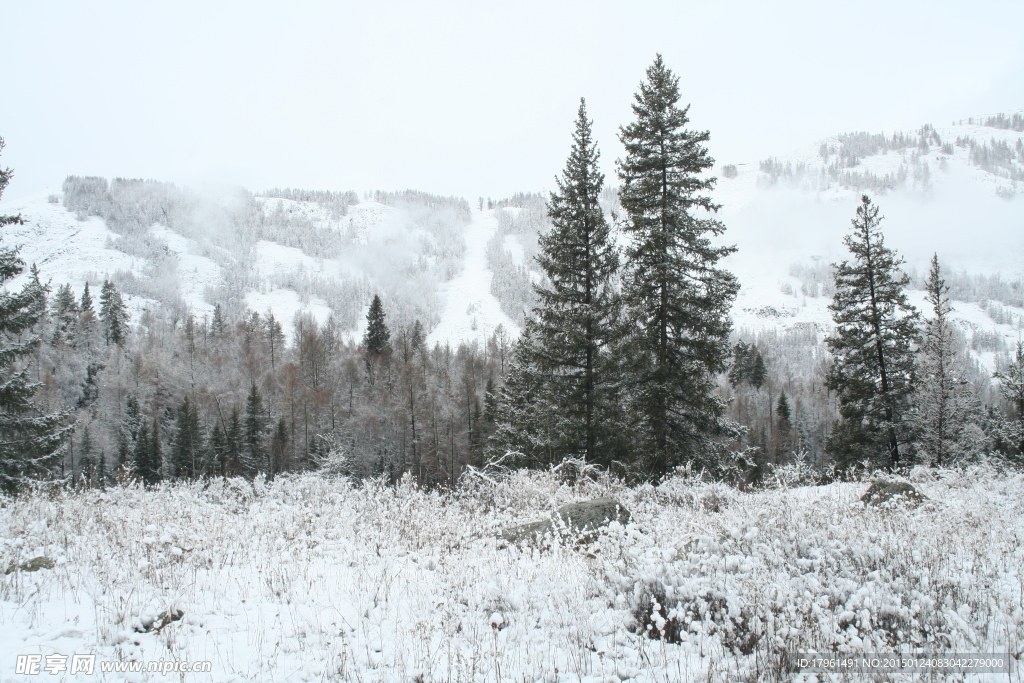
{"x": 471, "y": 312}
{"x": 286, "y": 303}
{"x": 272, "y": 257}
{"x": 195, "y": 272}
{"x": 64, "y": 248}
{"x": 515, "y": 249}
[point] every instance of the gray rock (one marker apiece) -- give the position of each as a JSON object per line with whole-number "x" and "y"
{"x": 883, "y": 491}
{"x": 583, "y": 519}
{"x": 33, "y": 565}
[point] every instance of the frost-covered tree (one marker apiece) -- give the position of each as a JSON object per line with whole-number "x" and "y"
{"x": 872, "y": 347}
{"x": 575, "y": 321}
{"x": 947, "y": 410}
{"x": 524, "y": 420}
{"x": 678, "y": 299}
{"x": 31, "y": 441}
{"x": 275, "y": 339}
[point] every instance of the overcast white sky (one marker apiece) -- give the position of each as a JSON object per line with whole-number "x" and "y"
{"x": 471, "y": 98}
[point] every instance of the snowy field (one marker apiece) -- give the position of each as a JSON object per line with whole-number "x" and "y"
{"x": 311, "y": 579}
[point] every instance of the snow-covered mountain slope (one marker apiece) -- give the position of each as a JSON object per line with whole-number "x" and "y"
{"x": 954, "y": 190}
{"x": 942, "y": 191}
{"x": 63, "y": 248}
{"x": 471, "y": 310}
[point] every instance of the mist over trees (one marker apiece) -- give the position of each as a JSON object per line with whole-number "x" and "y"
{"x": 416, "y": 245}
{"x": 627, "y": 359}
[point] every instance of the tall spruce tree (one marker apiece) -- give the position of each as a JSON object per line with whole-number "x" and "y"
{"x": 1011, "y": 385}
{"x": 948, "y": 412}
{"x": 233, "y": 446}
{"x": 147, "y": 453}
{"x": 677, "y": 297}
{"x": 65, "y": 316}
{"x": 254, "y": 455}
{"x": 31, "y": 442}
{"x": 113, "y": 314}
{"x": 575, "y": 321}
{"x": 86, "y": 318}
{"x": 376, "y": 339}
{"x": 217, "y": 449}
{"x": 188, "y": 447}
{"x": 873, "y": 367}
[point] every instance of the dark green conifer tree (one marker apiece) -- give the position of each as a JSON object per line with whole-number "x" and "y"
{"x": 86, "y": 317}
{"x": 254, "y": 456}
{"x": 677, "y": 297}
{"x": 279, "y": 448}
{"x": 65, "y": 315}
{"x": 156, "y": 451}
{"x": 31, "y": 442}
{"x": 86, "y": 456}
{"x": 783, "y": 413}
{"x": 575, "y": 321}
{"x": 1010, "y": 428}
{"x": 188, "y": 447}
{"x": 233, "y": 445}
{"x": 113, "y": 314}
{"x": 377, "y": 338}
{"x": 218, "y": 451}
{"x": 128, "y": 432}
{"x": 873, "y": 368}
{"x": 275, "y": 339}
{"x": 218, "y": 327}
{"x": 147, "y": 453}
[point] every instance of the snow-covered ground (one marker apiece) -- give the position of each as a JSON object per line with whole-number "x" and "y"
{"x": 307, "y": 579}
{"x": 471, "y": 312}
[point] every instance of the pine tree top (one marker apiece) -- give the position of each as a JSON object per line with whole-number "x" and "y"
{"x": 870, "y": 287}
{"x": 577, "y": 254}
{"x": 663, "y": 158}
{"x": 86, "y": 304}
{"x": 937, "y": 289}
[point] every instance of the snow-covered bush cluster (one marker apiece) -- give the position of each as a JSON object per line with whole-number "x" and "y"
{"x": 310, "y": 578}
